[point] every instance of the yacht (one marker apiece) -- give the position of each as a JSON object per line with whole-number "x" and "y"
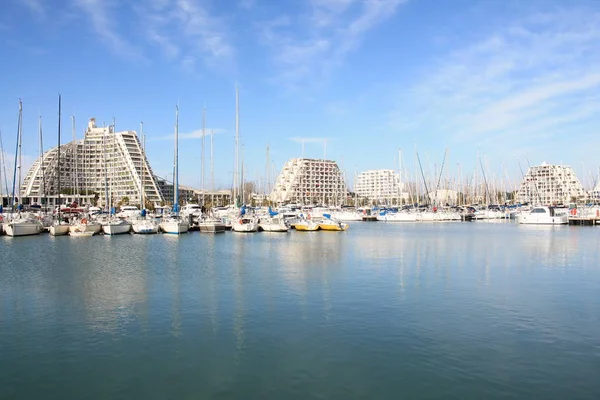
{"x": 129, "y": 212}
{"x": 542, "y": 215}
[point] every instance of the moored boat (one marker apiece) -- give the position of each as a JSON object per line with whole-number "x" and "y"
{"x": 23, "y": 227}
{"x": 145, "y": 226}
{"x": 116, "y": 227}
{"x": 244, "y": 225}
{"x": 543, "y": 215}
{"x": 174, "y": 226}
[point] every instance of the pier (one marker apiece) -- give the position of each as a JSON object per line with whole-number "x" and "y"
{"x": 584, "y": 221}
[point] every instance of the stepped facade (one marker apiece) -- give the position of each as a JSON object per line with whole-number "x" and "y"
{"x": 107, "y": 164}
{"x": 310, "y": 181}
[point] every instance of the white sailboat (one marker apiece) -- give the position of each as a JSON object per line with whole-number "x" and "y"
{"x": 113, "y": 225}
{"x": 175, "y": 224}
{"x": 116, "y": 226}
{"x": 58, "y": 227}
{"x": 21, "y": 225}
{"x": 143, "y": 225}
{"x": 245, "y": 224}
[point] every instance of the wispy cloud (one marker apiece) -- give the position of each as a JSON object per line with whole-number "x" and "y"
{"x": 297, "y": 139}
{"x": 195, "y": 134}
{"x": 101, "y": 15}
{"x": 36, "y": 7}
{"x": 312, "y": 44}
{"x": 517, "y": 86}
{"x": 186, "y": 31}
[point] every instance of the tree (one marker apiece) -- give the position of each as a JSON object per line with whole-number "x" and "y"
{"x": 249, "y": 188}
{"x": 123, "y": 202}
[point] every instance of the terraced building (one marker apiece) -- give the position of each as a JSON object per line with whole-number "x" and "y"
{"x": 310, "y": 181}
{"x": 105, "y": 164}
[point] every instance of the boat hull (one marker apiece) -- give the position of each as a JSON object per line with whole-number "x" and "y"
{"x": 210, "y": 227}
{"x": 85, "y": 228}
{"x": 174, "y": 227}
{"x": 306, "y": 227}
{"x": 81, "y": 233}
{"x": 244, "y": 228}
{"x": 274, "y": 228}
{"x": 334, "y": 227}
{"x": 116, "y": 229}
{"x": 560, "y": 220}
{"x": 22, "y": 229}
{"x": 58, "y": 230}
{"x": 144, "y": 229}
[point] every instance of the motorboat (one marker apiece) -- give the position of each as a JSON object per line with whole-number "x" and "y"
{"x": 129, "y": 212}
{"x": 542, "y": 215}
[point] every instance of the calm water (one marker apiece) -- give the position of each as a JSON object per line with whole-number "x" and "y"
{"x": 456, "y": 310}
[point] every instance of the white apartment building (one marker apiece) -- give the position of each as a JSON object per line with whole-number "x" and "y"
{"x": 104, "y": 163}
{"x": 380, "y": 186}
{"x": 550, "y": 184}
{"x": 310, "y": 181}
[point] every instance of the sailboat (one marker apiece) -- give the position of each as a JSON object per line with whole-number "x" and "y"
{"x": 175, "y": 224}
{"x": 21, "y": 225}
{"x": 143, "y": 225}
{"x": 58, "y": 227}
{"x": 113, "y": 225}
{"x": 208, "y": 223}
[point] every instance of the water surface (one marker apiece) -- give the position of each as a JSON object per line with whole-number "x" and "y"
{"x": 450, "y": 310}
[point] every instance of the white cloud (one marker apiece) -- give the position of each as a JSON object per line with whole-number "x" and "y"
{"x": 314, "y": 43}
{"x": 187, "y": 32}
{"x": 309, "y": 139}
{"x": 36, "y": 7}
{"x": 101, "y": 16}
{"x": 195, "y": 134}
{"x": 517, "y": 87}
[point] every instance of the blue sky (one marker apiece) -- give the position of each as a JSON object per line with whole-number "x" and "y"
{"x": 505, "y": 80}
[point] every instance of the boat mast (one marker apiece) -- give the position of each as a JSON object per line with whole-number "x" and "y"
{"x": 237, "y": 140}
{"x": 43, "y": 189}
{"x": 176, "y": 173}
{"x": 74, "y": 154}
{"x": 143, "y": 155}
{"x": 212, "y": 169}
{"x": 104, "y": 145}
{"x": 17, "y": 158}
{"x": 58, "y": 163}
{"x": 242, "y": 186}
{"x": 202, "y": 153}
